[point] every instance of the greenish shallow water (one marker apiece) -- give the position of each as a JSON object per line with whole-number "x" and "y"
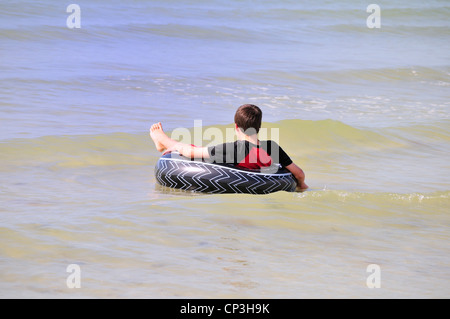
{"x": 93, "y": 201}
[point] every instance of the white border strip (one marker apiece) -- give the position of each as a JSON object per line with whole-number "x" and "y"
{"x": 230, "y": 168}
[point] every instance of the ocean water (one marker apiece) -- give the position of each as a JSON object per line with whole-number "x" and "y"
{"x": 365, "y": 112}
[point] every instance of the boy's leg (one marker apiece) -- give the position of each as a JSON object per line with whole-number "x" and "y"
{"x": 160, "y": 138}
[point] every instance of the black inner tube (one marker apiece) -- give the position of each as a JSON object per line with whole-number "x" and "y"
{"x": 175, "y": 171}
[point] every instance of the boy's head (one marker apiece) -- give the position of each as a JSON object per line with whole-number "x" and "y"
{"x": 248, "y": 118}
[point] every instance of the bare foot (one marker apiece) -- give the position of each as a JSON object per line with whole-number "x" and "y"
{"x": 157, "y": 133}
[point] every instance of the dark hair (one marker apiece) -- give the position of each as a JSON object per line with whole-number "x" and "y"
{"x": 248, "y": 116}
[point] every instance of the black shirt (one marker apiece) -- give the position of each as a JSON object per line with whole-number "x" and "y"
{"x": 248, "y": 155}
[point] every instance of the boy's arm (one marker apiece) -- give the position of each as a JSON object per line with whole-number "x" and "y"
{"x": 189, "y": 151}
{"x": 299, "y": 176}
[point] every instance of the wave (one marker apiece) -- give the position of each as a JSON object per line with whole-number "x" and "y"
{"x": 438, "y": 199}
{"x": 413, "y": 73}
{"x": 299, "y": 137}
{"x": 141, "y": 32}
{"x": 76, "y": 151}
{"x": 270, "y": 22}
{"x": 392, "y": 29}
{"x": 276, "y": 34}
{"x": 437, "y": 75}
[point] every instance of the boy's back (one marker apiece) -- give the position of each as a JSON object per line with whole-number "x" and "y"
{"x": 245, "y": 154}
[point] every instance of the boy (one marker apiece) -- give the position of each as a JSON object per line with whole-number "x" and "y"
{"x": 247, "y": 152}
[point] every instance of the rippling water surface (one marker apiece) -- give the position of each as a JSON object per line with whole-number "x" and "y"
{"x": 365, "y": 112}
